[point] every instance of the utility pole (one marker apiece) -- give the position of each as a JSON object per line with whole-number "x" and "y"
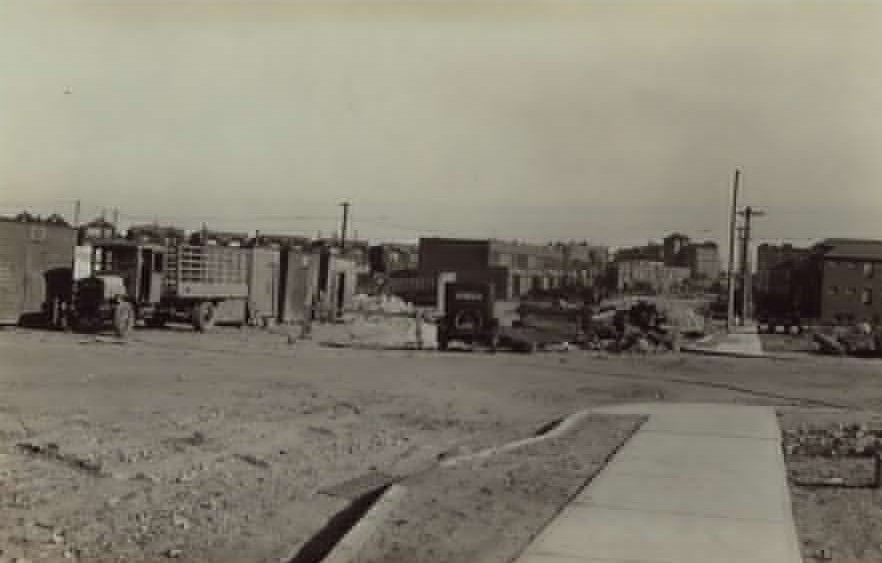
{"x": 116, "y": 219}
{"x": 730, "y": 315}
{"x": 345, "y": 205}
{"x": 747, "y": 283}
{"x": 77, "y": 213}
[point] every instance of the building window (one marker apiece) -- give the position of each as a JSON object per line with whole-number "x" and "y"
{"x": 834, "y": 290}
{"x": 851, "y": 265}
{"x": 850, "y": 291}
{"x": 868, "y": 269}
{"x": 867, "y": 296}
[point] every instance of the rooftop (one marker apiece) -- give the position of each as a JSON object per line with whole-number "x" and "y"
{"x": 860, "y": 249}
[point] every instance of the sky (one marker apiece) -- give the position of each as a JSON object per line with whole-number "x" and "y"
{"x": 616, "y": 122}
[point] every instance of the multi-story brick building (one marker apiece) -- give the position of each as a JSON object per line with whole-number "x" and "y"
{"x": 837, "y": 281}
{"x": 842, "y": 281}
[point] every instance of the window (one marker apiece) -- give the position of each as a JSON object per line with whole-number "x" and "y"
{"x": 851, "y": 265}
{"x": 850, "y": 291}
{"x": 834, "y": 290}
{"x": 868, "y": 270}
{"x": 867, "y": 296}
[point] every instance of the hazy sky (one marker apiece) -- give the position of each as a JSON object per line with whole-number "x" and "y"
{"x": 615, "y": 122}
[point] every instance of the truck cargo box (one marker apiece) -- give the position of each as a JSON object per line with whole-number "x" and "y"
{"x": 206, "y": 272}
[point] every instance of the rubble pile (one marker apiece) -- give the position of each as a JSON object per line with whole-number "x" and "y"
{"x": 859, "y": 340}
{"x": 381, "y": 304}
{"x": 864, "y": 439}
{"x": 642, "y": 327}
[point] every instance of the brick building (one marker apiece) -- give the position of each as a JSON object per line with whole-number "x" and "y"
{"x": 836, "y": 281}
{"x": 771, "y": 257}
{"x": 514, "y": 268}
{"x": 841, "y": 280}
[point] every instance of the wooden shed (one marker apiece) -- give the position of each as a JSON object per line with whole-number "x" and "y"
{"x": 36, "y": 260}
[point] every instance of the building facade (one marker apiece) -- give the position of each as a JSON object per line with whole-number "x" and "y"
{"x": 649, "y": 275}
{"x": 389, "y": 258}
{"x": 703, "y": 261}
{"x": 845, "y": 276}
{"x": 769, "y": 257}
{"x": 515, "y": 268}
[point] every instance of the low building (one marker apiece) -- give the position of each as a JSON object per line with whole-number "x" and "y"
{"x": 389, "y": 258}
{"x": 36, "y": 263}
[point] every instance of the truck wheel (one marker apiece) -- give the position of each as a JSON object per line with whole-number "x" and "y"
{"x": 203, "y": 316}
{"x": 123, "y": 319}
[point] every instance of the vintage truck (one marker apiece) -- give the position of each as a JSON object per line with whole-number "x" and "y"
{"x": 468, "y": 315}
{"x": 133, "y": 281}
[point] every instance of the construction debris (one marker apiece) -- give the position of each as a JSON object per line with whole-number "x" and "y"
{"x": 858, "y": 340}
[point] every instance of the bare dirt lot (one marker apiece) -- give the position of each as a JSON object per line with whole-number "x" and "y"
{"x": 217, "y": 447}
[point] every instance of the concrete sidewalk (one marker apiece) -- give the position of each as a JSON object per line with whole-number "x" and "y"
{"x": 696, "y": 484}
{"x": 743, "y": 341}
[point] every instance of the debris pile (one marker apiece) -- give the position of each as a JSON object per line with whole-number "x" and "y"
{"x": 641, "y": 327}
{"x": 859, "y": 340}
{"x": 381, "y": 304}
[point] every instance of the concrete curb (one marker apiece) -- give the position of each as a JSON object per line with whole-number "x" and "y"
{"x": 347, "y": 547}
{"x": 347, "y": 550}
{"x": 565, "y": 425}
{"x": 729, "y": 353}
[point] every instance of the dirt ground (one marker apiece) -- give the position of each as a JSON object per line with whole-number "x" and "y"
{"x": 216, "y": 447}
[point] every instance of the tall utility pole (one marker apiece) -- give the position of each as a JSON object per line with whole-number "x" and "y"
{"x": 730, "y": 315}
{"x": 747, "y": 283}
{"x": 77, "y": 213}
{"x": 345, "y": 205}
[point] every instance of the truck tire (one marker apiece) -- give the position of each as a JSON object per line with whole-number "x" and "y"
{"x": 203, "y": 316}
{"x": 123, "y": 319}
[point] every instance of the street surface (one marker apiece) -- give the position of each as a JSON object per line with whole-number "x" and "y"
{"x": 216, "y": 447}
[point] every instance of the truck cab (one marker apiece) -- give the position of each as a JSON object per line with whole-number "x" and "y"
{"x": 125, "y": 284}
